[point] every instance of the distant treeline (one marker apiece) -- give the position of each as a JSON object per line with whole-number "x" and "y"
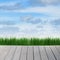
{"x": 29, "y": 41}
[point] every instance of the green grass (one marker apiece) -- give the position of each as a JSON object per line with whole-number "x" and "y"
{"x": 29, "y": 41}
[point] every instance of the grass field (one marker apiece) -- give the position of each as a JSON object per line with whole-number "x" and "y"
{"x": 29, "y": 41}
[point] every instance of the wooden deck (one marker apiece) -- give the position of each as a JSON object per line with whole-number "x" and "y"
{"x": 29, "y": 52}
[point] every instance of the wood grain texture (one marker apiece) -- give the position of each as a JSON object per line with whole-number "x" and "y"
{"x": 29, "y": 52}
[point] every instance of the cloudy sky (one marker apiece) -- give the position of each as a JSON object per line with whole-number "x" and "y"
{"x": 29, "y": 18}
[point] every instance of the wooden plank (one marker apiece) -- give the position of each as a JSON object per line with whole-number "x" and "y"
{"x": 55, "y": 53}
{"x": 43, "y": 53}
{"x": 24, "y": 53}
{"x": 49, "y": 53}
{"x": 58, "y": 48}
{"x": 3, "y": 51}
{"x": 17, "y": 53}
{"x": 30, "y": 53}
{"x": 36, "y": 53}
{"x": 11, "y": 53}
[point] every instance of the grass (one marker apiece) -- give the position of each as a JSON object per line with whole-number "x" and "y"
{"x": 29, "y": 41}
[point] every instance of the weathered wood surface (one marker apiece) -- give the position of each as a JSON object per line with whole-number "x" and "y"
{"x": 29, "y": 52}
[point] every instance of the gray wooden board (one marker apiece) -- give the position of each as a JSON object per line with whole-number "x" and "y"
{"x": 49, "y": 53}
{"x": 30, "y": 53}
{"x": 11, "y": 53}
{"x": 36, "y": 53}
{"x": 43, "y": 53}
{"x": 3, "y": 52}
{"x": 58, "y": 48}
{"x": 17, "y": 53}
{"x": 24, "y": 53}
{"x": 55, "y": 52}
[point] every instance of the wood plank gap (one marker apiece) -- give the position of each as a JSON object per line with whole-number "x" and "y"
{"x": 20, "y": 53}
{"x": 39, "y": 53}
{"x": 49, "y": 53}
{"x": 27, "y": 53}
{"x": 14, "y": 53}
{"x": 33, "y": 53}
{"x": 53, "y": 54}
{"x": 46, "y": 52}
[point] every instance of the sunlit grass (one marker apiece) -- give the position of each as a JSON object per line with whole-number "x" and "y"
{"x": 29, "y": 41}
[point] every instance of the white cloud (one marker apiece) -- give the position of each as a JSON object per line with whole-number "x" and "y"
{"x": 7, "y": 3}
{"x": 8, "y": 20}
{"x": 44, "y": 2}
{"x": 31, "y": 30}
{"x": 10, "y": 6}
{"x": 49, "y": 10}
{"x": 28, "y": 26}
{"x": 53, "y": 11}
{"x": 32, "y": 19}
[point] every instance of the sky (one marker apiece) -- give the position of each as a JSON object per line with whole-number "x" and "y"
{"x": 30, "y": 18}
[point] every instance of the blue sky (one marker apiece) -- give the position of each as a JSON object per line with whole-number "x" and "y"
{"x": 29, "y": 18}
